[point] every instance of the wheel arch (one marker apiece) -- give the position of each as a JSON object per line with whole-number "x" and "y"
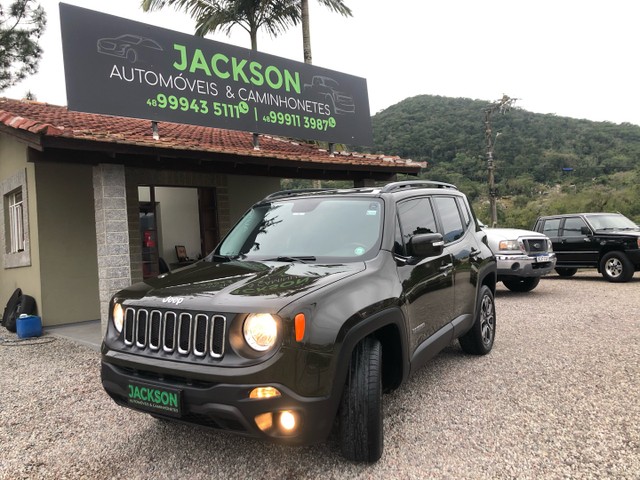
{"x": 388, "y": 327}
{"x": 608, "y": 249}
{"x": 490, "y": 280}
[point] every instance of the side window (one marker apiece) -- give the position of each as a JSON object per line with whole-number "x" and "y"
{"x": 572, "y": 227}
{"x": 15, "y": 209}
{"x": 465, "y": 212}
{"x": 14, "y": 221}
{"x": 414, "y": 216}
{"x": 551, "y": 227}
{"x": 452, "y": 225}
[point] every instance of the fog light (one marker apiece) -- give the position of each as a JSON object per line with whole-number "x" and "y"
{"x": 287, "y": 421}
{"x": 264, "y": 421}
{"x": 264, "y": 392}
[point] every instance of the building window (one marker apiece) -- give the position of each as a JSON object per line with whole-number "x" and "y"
{"x": 16, "y": 222}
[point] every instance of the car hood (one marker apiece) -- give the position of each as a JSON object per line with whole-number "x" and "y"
{"x": 511, "y": 233}
{"x": 236, "y": 286}
{"x": 626, "y": 233}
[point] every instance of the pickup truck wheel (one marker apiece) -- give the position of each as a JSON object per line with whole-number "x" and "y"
{"x": 616, "y": 267}
{"x": 361, "y": 435}
{"x": 522, "y": 284}
{"x": 479, "y": 340}
{"x": 566, "y": 272}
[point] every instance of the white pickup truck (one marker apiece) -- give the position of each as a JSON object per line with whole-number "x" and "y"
{"x": 523, "y": 256}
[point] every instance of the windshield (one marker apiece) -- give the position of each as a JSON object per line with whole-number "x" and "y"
{"x": 611, "y": 222}
{"x": 307, "y": 229}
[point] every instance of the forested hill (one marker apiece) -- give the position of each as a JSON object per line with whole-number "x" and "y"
{"x": 544, "y": 163}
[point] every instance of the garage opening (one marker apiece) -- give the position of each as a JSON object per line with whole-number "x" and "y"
{"x": 177, "y": 226}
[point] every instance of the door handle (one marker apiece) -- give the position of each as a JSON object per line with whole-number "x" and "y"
{"x": 444, "y": 268}
{"x": 474, "y": 253}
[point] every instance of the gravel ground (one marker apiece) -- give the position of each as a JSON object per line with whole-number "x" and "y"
{"x": 556, "y": 398}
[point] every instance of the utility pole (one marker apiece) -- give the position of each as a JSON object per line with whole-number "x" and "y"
{"x": 501, "y": 106}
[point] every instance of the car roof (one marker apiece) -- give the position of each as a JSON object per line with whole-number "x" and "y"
{"x": 564, "y": 215}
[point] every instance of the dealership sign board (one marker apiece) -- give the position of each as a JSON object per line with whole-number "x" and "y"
{"x": 116, "y": 66}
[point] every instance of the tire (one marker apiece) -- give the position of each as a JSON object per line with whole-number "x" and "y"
{"x": 525, "y": 284}
{"x": 360, "y": 415}
{"x": 479, "y": 340}
{"x": 616, "y": 267}
{"x": 566, "y": 272}
{"x": 9, "y": 315}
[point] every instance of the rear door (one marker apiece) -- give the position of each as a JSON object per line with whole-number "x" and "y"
{"x": 454, "y": 225}
{"x": 428, "y": 285}
{"x": 551, "y": 228}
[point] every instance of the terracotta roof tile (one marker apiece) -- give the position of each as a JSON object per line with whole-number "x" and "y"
{"x": 51, "y": 120}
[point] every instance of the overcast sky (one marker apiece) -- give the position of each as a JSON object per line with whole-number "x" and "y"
{"x": 575, "y": 58}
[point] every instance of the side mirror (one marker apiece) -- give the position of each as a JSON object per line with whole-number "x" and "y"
{"x": 425, "y": 245}
{"x": 585, "y": 231}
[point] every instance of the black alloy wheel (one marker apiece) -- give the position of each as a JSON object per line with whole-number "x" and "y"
{"x": 479, "y": 340}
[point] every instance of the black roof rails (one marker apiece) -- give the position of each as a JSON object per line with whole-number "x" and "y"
{"x": 288, "y": 193}
{"x": 310, "y": 191}
{"x": 392, "y": 187}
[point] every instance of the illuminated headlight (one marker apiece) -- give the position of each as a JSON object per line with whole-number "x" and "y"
{"x": 118, "y": 316}
{"x": 260, "y": 331}
{"x": 510, "y": 245}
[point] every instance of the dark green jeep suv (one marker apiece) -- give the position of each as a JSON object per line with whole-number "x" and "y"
{"x": 314, "y": 304}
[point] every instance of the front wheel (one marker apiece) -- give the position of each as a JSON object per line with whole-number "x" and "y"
{"x": 522, "y": 284}
{"x": 616, "y": 267}
{"x": 361, "y": 435}
{"x": 479, "y": 340}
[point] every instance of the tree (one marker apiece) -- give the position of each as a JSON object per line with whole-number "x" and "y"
{"x": 21, "y": 26}
{"x": 335, "y": 5}
{"x": 275, "y": 16}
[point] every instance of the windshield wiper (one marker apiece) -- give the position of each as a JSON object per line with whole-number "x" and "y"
{"x": 224, "y": 258}
{"x": 292, "y": 259}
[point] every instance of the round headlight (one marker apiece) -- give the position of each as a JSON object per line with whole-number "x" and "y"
{"x": 260, "y": 331}
{"x": 118, "y": 316}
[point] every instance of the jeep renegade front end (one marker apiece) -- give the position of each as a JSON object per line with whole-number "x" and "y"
{"x": 314, "y": 304}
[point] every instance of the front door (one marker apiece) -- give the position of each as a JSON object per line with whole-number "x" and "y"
{"x": 575, "y": 247}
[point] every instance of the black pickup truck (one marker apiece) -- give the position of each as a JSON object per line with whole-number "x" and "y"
{"x": 609, "y": 242}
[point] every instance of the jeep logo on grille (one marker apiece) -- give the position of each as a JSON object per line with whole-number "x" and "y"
{"x": 174, "y": 300}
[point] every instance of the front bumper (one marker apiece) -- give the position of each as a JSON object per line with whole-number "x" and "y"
{"x": 225, "y": 406}
{"x": 525, "y": 265}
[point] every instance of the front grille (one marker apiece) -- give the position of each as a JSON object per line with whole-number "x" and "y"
{"x": 535, "y": 245}
{"x": 182, "y": 333}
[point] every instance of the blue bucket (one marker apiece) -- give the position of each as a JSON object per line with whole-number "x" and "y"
{"x": 28, "y": 326}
